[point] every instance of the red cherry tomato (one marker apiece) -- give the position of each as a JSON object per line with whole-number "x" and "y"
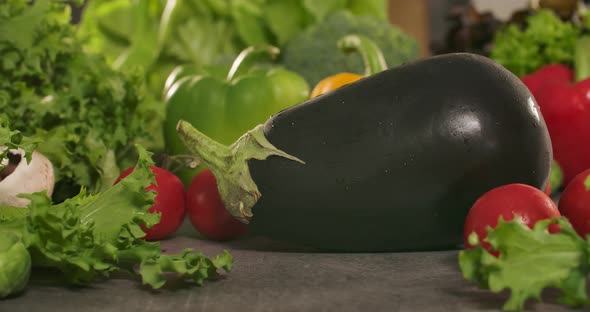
{"x": 169, "y": 202}
{"x": 207, "y": 212}
{"x": 531, "y": 204}
{"x": 574, "y": 203}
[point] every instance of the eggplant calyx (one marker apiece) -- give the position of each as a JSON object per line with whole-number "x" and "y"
{"x": 229, "y": 164}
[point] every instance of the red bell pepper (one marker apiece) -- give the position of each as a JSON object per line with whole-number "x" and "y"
{"x": 565, "y": 104}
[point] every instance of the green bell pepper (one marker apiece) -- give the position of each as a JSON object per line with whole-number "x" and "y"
{"x": 226, "y": 107}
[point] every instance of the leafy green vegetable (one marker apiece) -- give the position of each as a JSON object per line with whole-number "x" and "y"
{"x": 286, "y": 18}
{"x": 162, "y": 34}
{"x": 131, "y": 30}
{"x": 86, "y": 115}
{"x": 10, "y": 213}
{"x": 314, "y": 53}
{"x": 530, "y": 261}
{"x": 546, "y": 39}
{"x": 375, "y": 8}
{"x": 15, "y": 265}
{"x": 13, "y": 139}
{"x": 320, "y": 9}
{"x": 89, "y": 236}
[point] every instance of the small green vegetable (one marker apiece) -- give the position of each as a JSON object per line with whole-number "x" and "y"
{"x": 314, "y": 53}
{"x": 15, "y": 265}
{"x": 530, "y": 261}
{"x": 89, "y": 236}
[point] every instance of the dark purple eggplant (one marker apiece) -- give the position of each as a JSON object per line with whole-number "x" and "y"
{"x": 392, "y": 162}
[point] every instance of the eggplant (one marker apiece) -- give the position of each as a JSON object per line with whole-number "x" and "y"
{"x": 392, "y": 162}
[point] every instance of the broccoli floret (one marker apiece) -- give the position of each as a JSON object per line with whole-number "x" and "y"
{"x": 314, "y": 54}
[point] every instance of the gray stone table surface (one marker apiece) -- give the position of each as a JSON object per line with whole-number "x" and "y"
{"x": 269, "y": 276}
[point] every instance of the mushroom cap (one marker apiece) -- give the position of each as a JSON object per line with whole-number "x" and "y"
{"x": 35, "y": 176}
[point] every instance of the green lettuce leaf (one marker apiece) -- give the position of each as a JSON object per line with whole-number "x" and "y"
{"x": 10, "y": 213}
{"x": 89, "y": 236}
{"x": 374, "y": 8}
{"x": 87, "y": 115}
{"x": 13, "y": 139}
{"x": 530, "y": 261}
{"x": 321, "y": 9}
{"x": 249, "y": 23}
{"x": 546, "y": 39}
{"x": 286, "y": 19}
{"x": 201, "y": 33}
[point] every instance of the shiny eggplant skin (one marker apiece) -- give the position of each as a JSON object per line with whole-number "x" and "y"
{"x": 395, "y": 160}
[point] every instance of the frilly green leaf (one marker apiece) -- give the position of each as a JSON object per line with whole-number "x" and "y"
{"x": 546, "y": 39}
{"x": 529, "y": 261}
{"x": 89, "y": 236}
{"x": 13, "y": 139}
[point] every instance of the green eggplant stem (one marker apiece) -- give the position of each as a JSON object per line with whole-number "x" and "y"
{"x": 582, "y": 58}
{"x": 373, "y": 59}
{"x": 249, "y": 55}
{"x": 229, "y": 165}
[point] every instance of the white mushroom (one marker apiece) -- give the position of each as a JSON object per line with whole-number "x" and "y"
{"x": 20, "y": 177}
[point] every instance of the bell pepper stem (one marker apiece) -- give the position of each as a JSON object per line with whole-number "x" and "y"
{"x": 373, "y": 59}
{"x": 229, "y": 165}
{"x": 164, "y": 28}
{"x": 582, "y": 58}
{"x": 249, "y": 56}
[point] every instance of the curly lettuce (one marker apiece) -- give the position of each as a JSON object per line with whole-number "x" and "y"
{"x": 87, "y": 115}
{"x": 545, "y": 39}
{"x": 13, "y": 139}
{"x": 530, "y": 261}
{"x": 89, "y": 236}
